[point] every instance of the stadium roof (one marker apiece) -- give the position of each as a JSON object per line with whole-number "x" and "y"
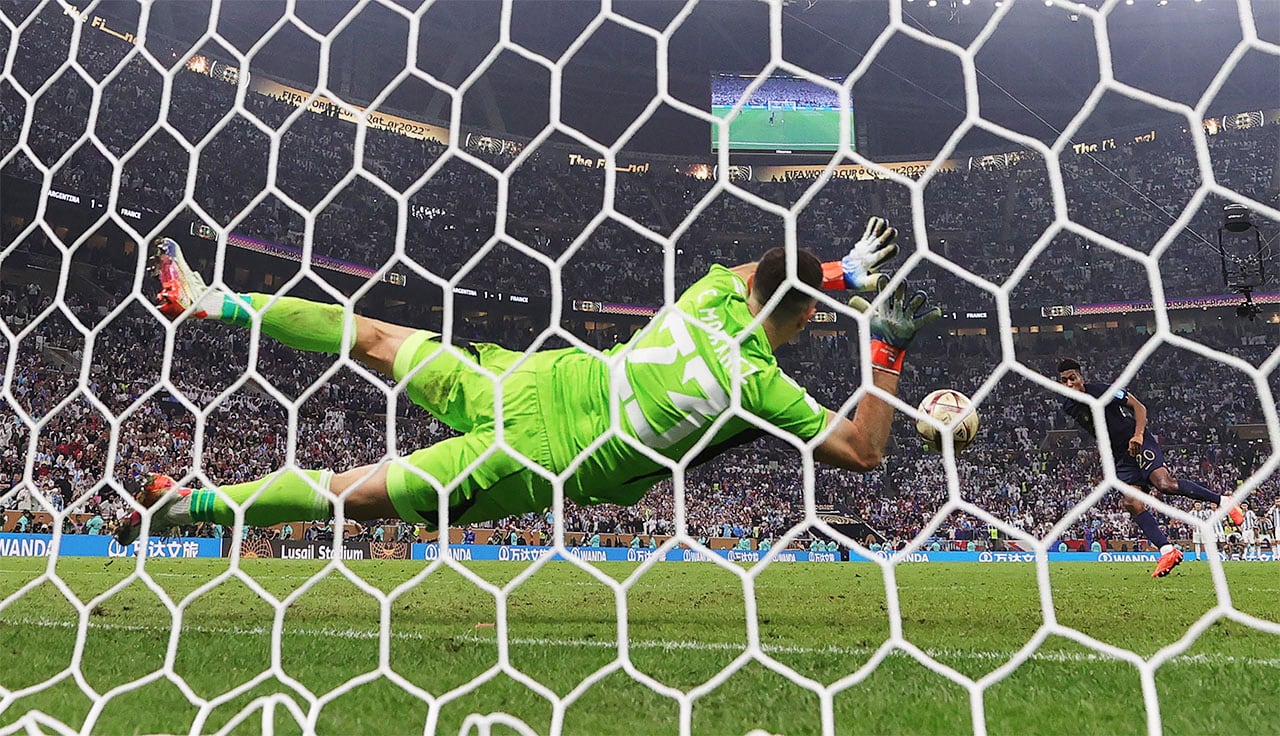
{"x": 1034, "y": 72}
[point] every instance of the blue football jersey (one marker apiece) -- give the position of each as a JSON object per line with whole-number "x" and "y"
{"x": 1118, "y": 415}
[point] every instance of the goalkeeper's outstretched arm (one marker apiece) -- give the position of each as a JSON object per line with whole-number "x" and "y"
{"x": 859, "y": 444}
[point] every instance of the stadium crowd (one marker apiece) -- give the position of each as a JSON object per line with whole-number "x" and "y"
{"x": 727, "y": 89}
{"x": 1027, "y": 467}
{"x": 982, "y": 216}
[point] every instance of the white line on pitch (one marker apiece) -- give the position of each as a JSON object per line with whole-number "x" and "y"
{"x": 666, "y": 645}
{"x": 941, "y": 654}
{"x": 219, "y": 630}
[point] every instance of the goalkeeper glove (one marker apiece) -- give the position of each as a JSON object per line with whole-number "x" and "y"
{"x": 859, "y": 269}
{"x": 894, "y": 325}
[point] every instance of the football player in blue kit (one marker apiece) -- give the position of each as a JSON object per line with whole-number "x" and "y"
{"x": 1139, "y": 459}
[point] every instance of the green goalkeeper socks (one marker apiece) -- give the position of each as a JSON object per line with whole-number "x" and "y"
{"x": 286, "y": 496}
{"x": 298, "y": 323}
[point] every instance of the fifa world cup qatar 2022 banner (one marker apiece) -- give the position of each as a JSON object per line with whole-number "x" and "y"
{"x": 910, "y": 169}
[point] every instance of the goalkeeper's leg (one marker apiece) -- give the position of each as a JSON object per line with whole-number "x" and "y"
{"x": 298, "y": 323}
{"x": 442, "y": 382}
{"x": 495, "y": 487}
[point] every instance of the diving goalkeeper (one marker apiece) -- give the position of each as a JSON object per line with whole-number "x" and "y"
{"x": 670, "y": 383}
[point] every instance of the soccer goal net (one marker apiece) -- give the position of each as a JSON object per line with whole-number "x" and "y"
{"x": 448, "y": 177}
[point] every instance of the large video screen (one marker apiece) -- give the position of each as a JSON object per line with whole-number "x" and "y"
{"x": 785, "y": 114}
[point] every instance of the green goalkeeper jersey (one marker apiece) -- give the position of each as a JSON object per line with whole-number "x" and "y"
{"x": 672, "y": 381}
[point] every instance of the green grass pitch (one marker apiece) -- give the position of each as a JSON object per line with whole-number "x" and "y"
{"x": 794, "y": 130}
{"x": 687, "y": 622}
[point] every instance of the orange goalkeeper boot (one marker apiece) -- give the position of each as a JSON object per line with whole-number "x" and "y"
{"x": 161, "y": 494}
{"x": 180, "y": 285}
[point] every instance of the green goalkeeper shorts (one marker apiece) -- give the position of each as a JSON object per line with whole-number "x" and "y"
{"x": 477, "y": 478}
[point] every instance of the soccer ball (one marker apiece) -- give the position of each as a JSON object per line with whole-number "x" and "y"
{"x": 947, "y": 405}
